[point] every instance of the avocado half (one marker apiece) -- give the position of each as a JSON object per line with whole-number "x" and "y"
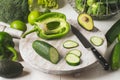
{"x": 86, "y": 21}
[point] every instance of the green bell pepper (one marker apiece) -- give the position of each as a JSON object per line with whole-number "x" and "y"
{"x": 7, "y": 50}
{"x": 50, "y": 26}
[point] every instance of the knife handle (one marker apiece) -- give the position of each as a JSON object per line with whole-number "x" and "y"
{"x": 100, "y": 58}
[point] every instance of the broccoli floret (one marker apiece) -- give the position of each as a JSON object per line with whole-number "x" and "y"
{"x": 90, "y": 2}
{"x": 81, "y": 5}
{"x": 11, "y": 10}
{"x": 97, "y": 8}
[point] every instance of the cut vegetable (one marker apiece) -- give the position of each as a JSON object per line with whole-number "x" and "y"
{"x": 75, "y": 52}
{"x": 85, "y": 21}
{"x": 72, "y": 59}
{"x": 46, "y": 51}
{"x": 70, "y": 44}
{"x": 115, "y": 57}
{"x": 97, "y": 41}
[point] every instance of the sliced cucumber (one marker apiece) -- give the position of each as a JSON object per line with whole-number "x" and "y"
{"x": 97, "y": 41}
{"x": 72, "y": 59}
{"x": 70, "y": 44}
{"x": 76, "y": 52}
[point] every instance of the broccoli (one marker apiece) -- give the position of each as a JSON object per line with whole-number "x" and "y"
{"x": 11, "y": 10}
{"x": 97, "y": 8}
{"x": 81, "y": 5}
{"x": 90, "y": 2}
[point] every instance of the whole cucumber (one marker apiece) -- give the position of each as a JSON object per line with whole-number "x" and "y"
{"x": 115, "y": 57}
{"x": 46, "y": 51}
{"x": 113, "y": 32}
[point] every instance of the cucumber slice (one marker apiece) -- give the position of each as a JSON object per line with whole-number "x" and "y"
{"x": 70, "y": 44}
{"x": 72, "y": 59}
{"x": 97, "y": 41}
{"x": 76, "y": 52}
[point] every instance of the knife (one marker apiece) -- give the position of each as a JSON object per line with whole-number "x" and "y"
{"x": 87, "y": 44}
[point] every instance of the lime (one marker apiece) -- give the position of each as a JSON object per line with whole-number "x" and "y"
{"x": 19, "y": 25}
{"x": 32, "y": 16}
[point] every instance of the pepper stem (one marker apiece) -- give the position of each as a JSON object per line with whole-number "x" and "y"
{"x": 15, "y": 54}
{"x": 33, "y": 30}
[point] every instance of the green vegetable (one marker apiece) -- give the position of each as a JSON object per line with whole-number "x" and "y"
{"x": 96, "y": 9}
{"x": 90, "y": 2}
{"x": 85, "y": 21}
{"x": 119, "y": 37}
{"x": 70, "y": 44}
{"x": 19, "y": 25}
{"x": 46, "y": 51}
{"x": 7, "y": 50}
{"x": 115, "y": 57}
{"x": 32, "y": 16}
{"x": 11, "y": 10}
{"x": 113, "y": 32}
{"x": 110, "y": 1}
{"x": 97, "y": 41}
{"x": 40, "y": 4}
{"x": 50, "y": 26}
{"x": 75, "y": 52}
{"x": 81, "y": 5}
{"x": 10, "y": 69}
{"x": 48, "y": 3}
{"x": 72, "y": 59}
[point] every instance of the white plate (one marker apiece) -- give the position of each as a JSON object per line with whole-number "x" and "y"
{"x": 39, "y": 63}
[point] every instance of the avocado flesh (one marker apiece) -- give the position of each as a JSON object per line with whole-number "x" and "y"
{"x": 85, "y": 21}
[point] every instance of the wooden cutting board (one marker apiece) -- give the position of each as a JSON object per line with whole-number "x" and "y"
{"x": 39, "y": 63}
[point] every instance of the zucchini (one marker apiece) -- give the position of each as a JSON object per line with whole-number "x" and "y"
{"x": 115, "y": 57}
{"x": 76, "y": 52}
{"x": 113, "y": 32}
{"x": 97, "y": 41}
{"x": 72, "y": 59}
{"x": 46, "y": 51}
{"x": 70, "y": 44}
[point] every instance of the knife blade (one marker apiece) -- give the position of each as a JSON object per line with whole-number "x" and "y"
{"x": 87, "y": 44}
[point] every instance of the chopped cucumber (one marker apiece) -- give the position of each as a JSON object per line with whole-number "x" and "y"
{"x": 70, "y": 44}
{"x": 76, "y": 52}
{"x": 97, "y": 41}
{"x": 72, "y": 59}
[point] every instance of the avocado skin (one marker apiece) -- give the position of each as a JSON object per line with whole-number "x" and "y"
{"x": 82, "y": 22}
{"x": 10, "y": 69}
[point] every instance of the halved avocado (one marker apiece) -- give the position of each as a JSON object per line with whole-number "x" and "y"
{"x": 86, "y": 21}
